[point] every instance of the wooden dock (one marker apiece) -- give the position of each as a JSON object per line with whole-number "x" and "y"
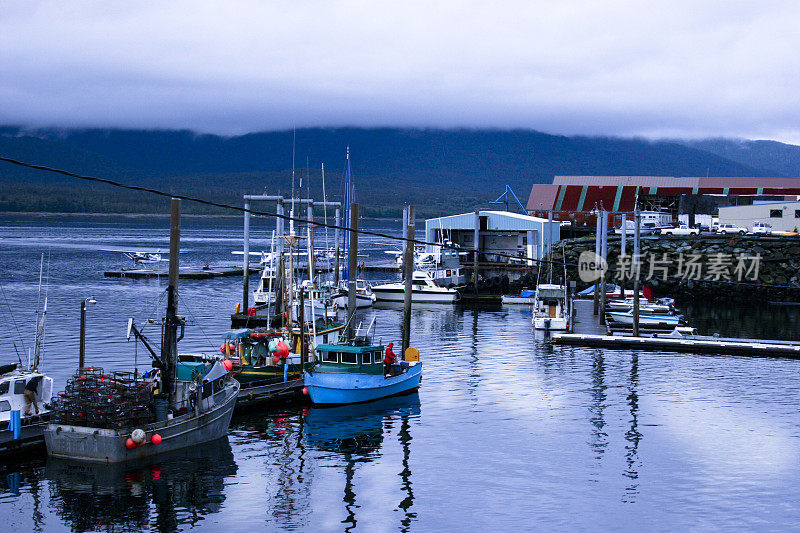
{"x": 260, "y": 394}
{"x": 185, "y": 272}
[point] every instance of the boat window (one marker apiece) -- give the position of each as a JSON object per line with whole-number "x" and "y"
{"x": 4, "y": 387}
{"x": 418, "y": 282}
{"x": 366, "y": 358}
{"x": 19, "y": 386}
{"x": 350, "y": 358}
{"x": 330, "y": 357}
{"x": 5, "y": 406}
{"x": 378, "y": 357}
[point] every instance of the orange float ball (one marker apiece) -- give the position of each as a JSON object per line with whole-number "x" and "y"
{"x": 156, "y": 439}
{"x": 130, "y": 444}
{"x": 228, "y": 364}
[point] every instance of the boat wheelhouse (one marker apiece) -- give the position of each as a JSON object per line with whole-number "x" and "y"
{"x": 552, "y": 309}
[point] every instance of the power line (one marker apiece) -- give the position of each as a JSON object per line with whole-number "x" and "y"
{"x": 164, "y": 194}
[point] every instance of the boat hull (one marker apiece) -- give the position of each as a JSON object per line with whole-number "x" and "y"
{"x": 646, "y": 320}
{"x": 361, "y": 300}
{"x": 96, "y": 445}
{"x": 398, "y": 295}
{"x": 518, "y": 300}
{"x": 548, "y": 323}
{"x": 334, "y": 388}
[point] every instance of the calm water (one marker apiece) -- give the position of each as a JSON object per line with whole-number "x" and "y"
{"x": 506, "y": 430}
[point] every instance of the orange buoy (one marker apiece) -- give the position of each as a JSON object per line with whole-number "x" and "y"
{"x": 130, "y": 444}
{"x": 228, "y": 364}
{"x": 156, "y": 439}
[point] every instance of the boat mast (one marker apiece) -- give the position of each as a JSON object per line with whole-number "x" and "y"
{"x": 37, "y": 346}
{"x": 347, "y": 201}
{"x": 169, "y": 342}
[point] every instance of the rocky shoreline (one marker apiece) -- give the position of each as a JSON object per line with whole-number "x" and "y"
{"x": 708, "y": 266}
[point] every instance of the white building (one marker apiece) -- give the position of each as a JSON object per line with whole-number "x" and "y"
{"x": 499, "y": 234}
{"x": 782, "y": 216}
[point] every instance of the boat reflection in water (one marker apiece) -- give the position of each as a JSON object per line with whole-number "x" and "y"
{"x": 357, "y": 432}
{"x": 173, "y": 490}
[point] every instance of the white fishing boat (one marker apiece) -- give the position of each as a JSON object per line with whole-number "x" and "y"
{"x": 423, "y": 289}
{"x": 551, "y": 308}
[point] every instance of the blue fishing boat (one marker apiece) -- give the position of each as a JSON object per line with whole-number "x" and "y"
{"x": 355, "y": 373}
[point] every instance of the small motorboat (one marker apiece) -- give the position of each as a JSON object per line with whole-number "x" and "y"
{"x": 364, "y": 295}
{"x": 525, "y": 297}
{"x": 651, "y": 320}
{"x": 551, "y": 307}
{"x": 423, "y": 290}
{"x": 354, "y": 373}
{"x": 662, "y": 306}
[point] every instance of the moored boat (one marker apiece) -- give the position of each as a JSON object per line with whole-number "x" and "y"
{"x": 364, "y": 295}
{"x": 423, "y": 290}
{"x": 552, "y": 308}
{"x": 355, "y": 373}
{"x": 111, "y": 418}
{"x": 525, "y": 297}
{"x": 651, "y": 320}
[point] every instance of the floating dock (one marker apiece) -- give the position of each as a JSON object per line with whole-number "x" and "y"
{"x": 687, "y": 343}
{"x": 185, "y": 272}
{"x": 258, "y": 394}
{"x": 30, "y": 441}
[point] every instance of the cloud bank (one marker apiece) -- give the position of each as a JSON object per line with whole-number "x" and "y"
{"x": 653, "y": 69}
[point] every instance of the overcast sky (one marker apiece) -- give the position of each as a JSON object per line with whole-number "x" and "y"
{"x": 655, "y": 69}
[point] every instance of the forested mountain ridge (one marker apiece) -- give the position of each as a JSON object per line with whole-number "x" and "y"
{"x": 440, "y": 171}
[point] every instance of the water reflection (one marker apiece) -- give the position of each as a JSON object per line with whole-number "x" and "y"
{"x": 178, "y": 489}
{"x": 633, "y": 436}
{"x": 597, "y": 405}
{"x": 357, "y": 433}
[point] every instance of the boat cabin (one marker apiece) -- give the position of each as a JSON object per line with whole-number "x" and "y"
{"x": 12, "y": 391}
{"x": 551, "y": 300}
{"x": 366, "y": 359}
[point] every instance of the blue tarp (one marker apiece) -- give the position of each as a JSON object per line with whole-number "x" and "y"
{"x": 237, "y": 333}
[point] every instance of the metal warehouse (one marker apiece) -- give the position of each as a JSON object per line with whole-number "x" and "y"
{"x": 498, "y": 233}
{"x": 573, "y": 197}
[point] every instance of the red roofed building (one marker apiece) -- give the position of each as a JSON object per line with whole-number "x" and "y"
{"x": 573, "y": 198}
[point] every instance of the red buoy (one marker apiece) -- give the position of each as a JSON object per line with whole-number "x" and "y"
{"x": 228, "y": 364}
{"x": 305, "y": 391}
{"x": 156, "y": 439}
{"x": 130, "y": 444}
{"x": 283, "y": 349}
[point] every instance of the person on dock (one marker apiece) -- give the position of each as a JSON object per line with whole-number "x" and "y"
{"x": 30, "y": 394}
{"x": 389, "y": 359}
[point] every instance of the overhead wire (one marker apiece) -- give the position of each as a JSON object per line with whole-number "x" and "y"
{"x": 413, "y": 241}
